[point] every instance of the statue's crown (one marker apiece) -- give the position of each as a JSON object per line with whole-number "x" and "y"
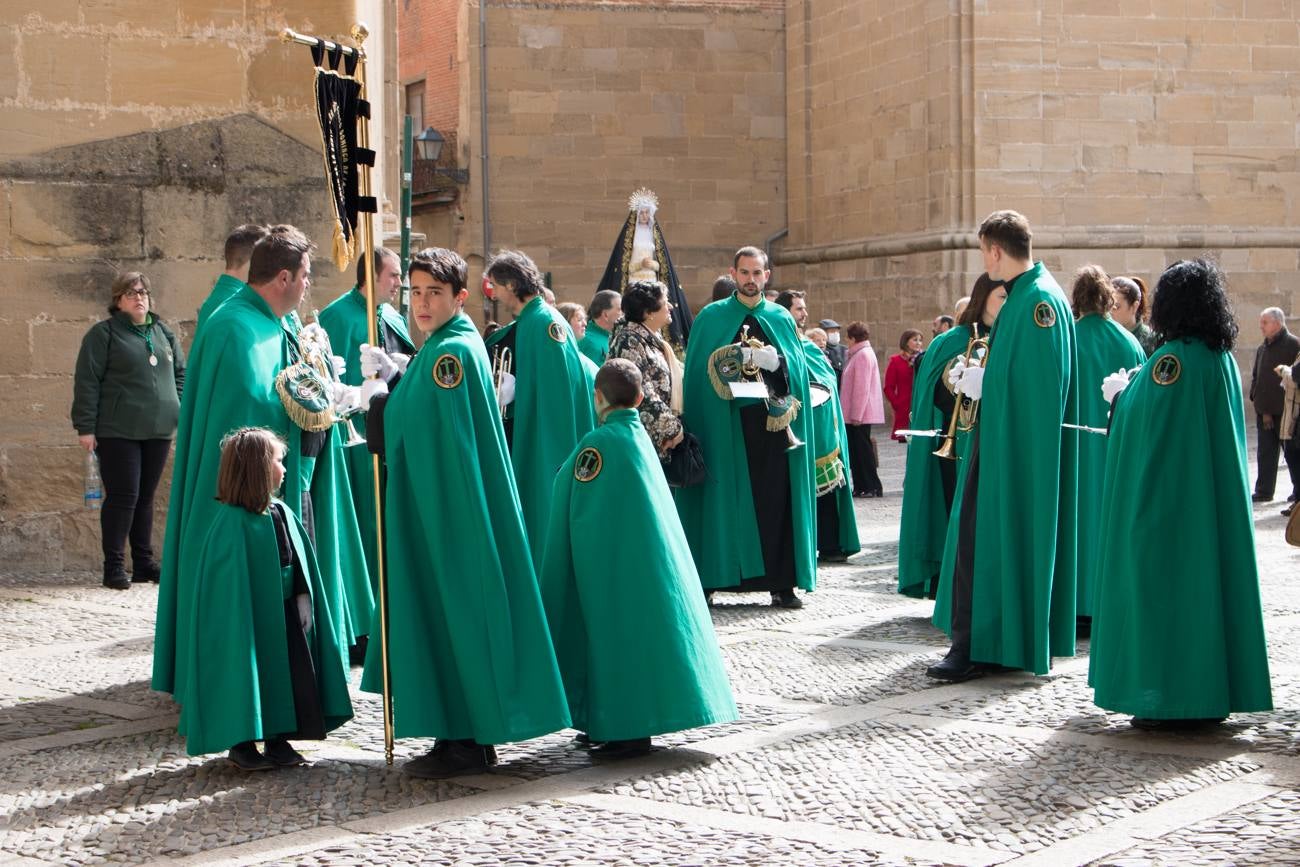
{"x": 643, "y": 198}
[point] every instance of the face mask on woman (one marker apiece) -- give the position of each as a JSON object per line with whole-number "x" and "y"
{"x": 833, "y": 338}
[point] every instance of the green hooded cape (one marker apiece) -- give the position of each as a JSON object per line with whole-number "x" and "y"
{"x": 632, "y": 633}
{"x": 344, "y": 320}
{"x": 470, "y": 653}
{"x": 237, "y": 680}
{"x": 222, "y": 291}
{"x": 230, "y": 383}
{"x": 1105, "y": 346}
{"x": 595, "y": 343}
{"x": 1022, "y": 607}
{"x": 339, "y": 548}
{"x": 924, "y": 526}
{"x": 552, "y": 409}
{"x": 830, "y": 435}
{"x": 718, "y": 515}
{"x": 1178, "y": 631}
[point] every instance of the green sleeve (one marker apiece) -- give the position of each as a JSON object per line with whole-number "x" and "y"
{"x": 92, "y": 361}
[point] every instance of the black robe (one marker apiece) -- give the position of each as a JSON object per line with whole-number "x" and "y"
{"x": 615, "y": 278}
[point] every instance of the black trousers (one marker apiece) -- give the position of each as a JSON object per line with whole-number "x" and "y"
{"x": 769, "y": 484}
{"x": 862, "y": 459}
{"x": 131, "y": 470}
{"x": 1268, "y": 451}
{"x": 828, "y": 524}
{"x": 302, "y": 678}
{"x": 963, "y": 573}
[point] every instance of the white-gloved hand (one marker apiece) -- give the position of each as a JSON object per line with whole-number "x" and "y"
{"x": 767, "y": 358}
{"x": 347, "y": 399}
{"x": 1113, "y": 384}
{"x": 956, "y": 372}
{"x": 507, "y": 395}
{"x": 339, "y": 365}
{"x": 312, "y": 333}
{"x": 375, "y": 362}
{"x": 304, "y": 611}
{"x": 972, "y": 382}
{"x": 370, "y": 389}
{"x": 400, "y": 360}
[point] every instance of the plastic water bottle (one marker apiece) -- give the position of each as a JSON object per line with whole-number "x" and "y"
{"x": 94, "y": 486}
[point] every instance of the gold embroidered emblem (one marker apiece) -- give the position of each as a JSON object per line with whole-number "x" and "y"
{"x": 447, "y": 371}
{"x": 1044, "y": 315}
{"x": 1166, "y": 369}
{"x": 556, "y": 330}
{"x": 587, "y": 465}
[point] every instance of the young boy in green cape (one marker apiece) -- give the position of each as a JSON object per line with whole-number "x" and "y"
{"x": 636, "y": 646}
{"x": 470, "y": 656}
{"x": 264, "y": 662}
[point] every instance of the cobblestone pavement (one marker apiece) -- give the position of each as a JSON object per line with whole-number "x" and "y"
{"x": 845, "y": 754}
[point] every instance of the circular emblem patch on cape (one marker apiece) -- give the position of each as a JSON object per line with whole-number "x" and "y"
{"x": 1166, "y": 370}
{"x": 447, "y": 371}
{"x": 556, "y": 330}
{"x": 587, "y": 465}
{"x": 1044, "y": 315}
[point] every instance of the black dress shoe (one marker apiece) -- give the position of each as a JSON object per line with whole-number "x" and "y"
{"x": 143, "y": 573}
{"x": 956, "y": 668}
{"x": 834, "y": 557}
{"x": 115, "y": 578}
{"x": 1174, "y": 725}
{"x": 1261, "y": 498}
{"x": 281, "y": 754}
{"x": 786, "y": 599}
{"x": 357, "y": 652}
{"x": 246, "y": 757}
{"x": 613, "y": 750}
{"x": 1287, "y": 510}
{"x": 449, "y": 759}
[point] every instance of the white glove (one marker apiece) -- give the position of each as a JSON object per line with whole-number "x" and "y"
{"x": 956, "y": 372}
{"x": 400, "y": 359}
{"x": 1113, "y": 384}
{"x": 304, "y": 611}
{"x": 375, "y": 362}
{"x": 370, "y": 389}
{"x": 1283, "y": 371}
{"x": 767, "y": 358}
{"x": 347, "y": 399}
{"x": 339, "y": 365}
{"x": 972, "y": 381}
{"x": 507, "y": 395}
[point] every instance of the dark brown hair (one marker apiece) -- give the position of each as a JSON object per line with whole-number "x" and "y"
{"x": 380, "y": 254}
{"x": 445, "y": 266}
{"x": 1092, "y": 292}
{"x": 752, "y": 252}
{"x": 240, "y": 244}
{"x": 857, "y": 332}
{"x": 1134, "y": 290}
{"x": 906, "y": 337}
{"x": 283, "y": 249}
{"x": 245, "y": 477}
{"x": 1010, "y": 231}
{"x": 723, "y": 287}
{"x": 619, "y": 381}
{"x": 979, "y": 299}
{"x": 123, "y": 284}
{"x": 515, "y": 268}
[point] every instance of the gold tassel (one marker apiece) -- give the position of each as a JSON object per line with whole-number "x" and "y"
{"x": 718, "y": 385}
{"x": 342, "y": 251}
{"x": 781, "y": 422}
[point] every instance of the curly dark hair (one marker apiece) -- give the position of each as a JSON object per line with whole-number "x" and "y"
{"x": 1093, "y": 292}
{"x": 642, "y": 298}
{"x": 516, "y": 269}
{"x": 1192, "y": 302}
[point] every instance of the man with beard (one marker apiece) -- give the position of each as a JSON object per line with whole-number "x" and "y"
{"x": 751, "y": 523}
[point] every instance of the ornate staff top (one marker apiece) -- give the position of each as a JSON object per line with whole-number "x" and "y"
{"x": 359, "y": 32}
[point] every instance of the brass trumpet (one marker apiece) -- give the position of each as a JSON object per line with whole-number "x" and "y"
{"x": 502, "y": 362}
{"x": 965, "y": 414}
{"x": 320, "y": 353}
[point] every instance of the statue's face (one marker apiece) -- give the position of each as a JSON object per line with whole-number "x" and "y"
{"x": 643, "y": 216}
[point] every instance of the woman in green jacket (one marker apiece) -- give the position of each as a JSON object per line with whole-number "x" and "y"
{"x": 126, "y": 400}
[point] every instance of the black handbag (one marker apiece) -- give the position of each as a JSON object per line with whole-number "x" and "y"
{"x": 684, "y": 463}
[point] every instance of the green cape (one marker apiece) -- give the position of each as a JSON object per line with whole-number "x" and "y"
{"x": 829, "y": 435}
{"x": 339, "y": 548}
{"x": 1178, "y": 631}
{"x": 924, "y": 525}
{"x": 470, "y": 653}
{"x": 1022, "y": 608}
{"x": 344, "y": 320}
{"x": 237, "y": 682}
{"x": 1104, "y": 346}
{"x": 552, "y": 408}
{"x": 718, "y": 515}
{"x": 222, "y": 291}
{"x": 631, "y": 628}
{"x": 230, "y": 383}
{"x": 942, "y": 616}
{"x": 595, "y": 343}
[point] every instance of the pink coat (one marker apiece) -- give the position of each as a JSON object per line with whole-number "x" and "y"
{"x": 860, "y": 392}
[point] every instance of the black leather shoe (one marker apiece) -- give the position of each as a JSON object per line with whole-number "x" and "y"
{"x": 281, "y": 754}
{"x": 1287, "y": 510}
{"x": 115, "y": 578}
{"x": 613, "y": 750}
{"x": 1174, "y": 725}
{"x": 357, "y": 652}
{"x": 1261, "y": 498}
{"x": 449, "y": 759}
{"x": 143, "y": 573}
{"x": 956, "y": 668}
{"x": 834, "y": 557}
{"x": 246, "y": 757}
{"x": 786, "y": 599}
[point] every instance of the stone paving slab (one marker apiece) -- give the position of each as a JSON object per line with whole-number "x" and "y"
{"x": 823, "y": 673}
{"x": 42, "y": 717}
{"x": 734, "y": 612}
{"x": 961, "y": 787}
{"x": 24, "y": 625}
{"x": 555, "y": 833}
{"x": 141, "y": 798}
{"x": 1265, "y": 832}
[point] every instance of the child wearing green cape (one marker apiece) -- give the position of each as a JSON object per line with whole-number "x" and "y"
{"x": 263, "y": 660}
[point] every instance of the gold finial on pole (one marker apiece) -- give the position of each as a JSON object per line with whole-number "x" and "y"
{"x": 359, "y": 32}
